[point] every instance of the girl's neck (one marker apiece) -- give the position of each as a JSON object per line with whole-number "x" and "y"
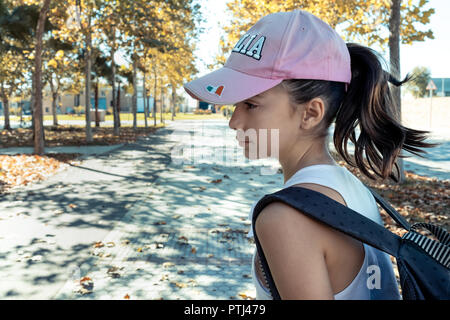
{"x": 304, "y": 157}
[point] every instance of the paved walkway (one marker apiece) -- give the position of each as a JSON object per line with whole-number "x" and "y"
{"x": 166, "y": 226}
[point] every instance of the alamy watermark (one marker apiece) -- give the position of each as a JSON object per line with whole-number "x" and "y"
{"x": 225, "y": 147}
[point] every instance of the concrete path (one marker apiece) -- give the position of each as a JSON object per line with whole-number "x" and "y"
{"x": 171, "y": 226}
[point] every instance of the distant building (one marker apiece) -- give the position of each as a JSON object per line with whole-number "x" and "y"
{"x": 70, "y": 101}
{"x": 67, "y": 102}
{"x": 207, "y": 106}
{"x": 443, "y": 86}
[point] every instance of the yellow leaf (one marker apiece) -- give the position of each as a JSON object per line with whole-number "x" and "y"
{"x": 52, "y": 63}
{"x": 59, "y": 54}
{"x": 180, "y": 285}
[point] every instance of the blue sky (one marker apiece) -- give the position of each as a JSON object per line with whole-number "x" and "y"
{"x": 434, "y": 54}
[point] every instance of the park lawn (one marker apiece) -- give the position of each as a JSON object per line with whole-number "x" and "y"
{"x": 74, "y": 135}
{"x": 71, "y": 135}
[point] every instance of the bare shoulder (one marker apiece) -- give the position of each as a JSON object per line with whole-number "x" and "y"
{"x": 282, "y": 223}
{"x": 331, "y": 193}
{"x": 287, "y": 236}
{"x": 281, "y": 215}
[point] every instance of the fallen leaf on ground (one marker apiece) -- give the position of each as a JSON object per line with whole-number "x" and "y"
{"x": 86, "y": 285}
{"x": 164, "y": 277}
{"x": 168, "y": 264}
{"x": 98, "y": 244}
{"x": 22, "y": 169}
{"x": 58, "y": 212}
{"x": 245, "y": 296}
{"x": 85, "y": 279}
{"x": 180, "y": 285}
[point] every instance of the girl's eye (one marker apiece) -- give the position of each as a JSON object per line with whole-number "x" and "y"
{"x": 250, "y": 105}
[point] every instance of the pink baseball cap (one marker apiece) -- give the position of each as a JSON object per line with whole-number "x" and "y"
{"x": 281, "y": 45}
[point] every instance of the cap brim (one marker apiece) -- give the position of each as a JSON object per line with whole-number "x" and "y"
{"x": 227, "y": 86}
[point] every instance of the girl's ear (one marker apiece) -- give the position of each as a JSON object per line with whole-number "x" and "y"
{"x": 312, "y": 113}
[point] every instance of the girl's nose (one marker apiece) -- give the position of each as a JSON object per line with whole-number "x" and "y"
{"x": 236, "y": 119}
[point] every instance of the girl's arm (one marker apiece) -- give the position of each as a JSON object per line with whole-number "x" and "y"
{"x": 294, "y": 249}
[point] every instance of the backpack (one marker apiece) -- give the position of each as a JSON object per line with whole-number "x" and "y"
{"x": 423, "y": 263}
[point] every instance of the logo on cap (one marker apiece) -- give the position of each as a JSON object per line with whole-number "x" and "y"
{"x": 216, "y": 90}
{"x": 254, "y": 51}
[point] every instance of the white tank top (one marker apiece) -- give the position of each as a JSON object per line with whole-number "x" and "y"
{"x": 376, "y": 279}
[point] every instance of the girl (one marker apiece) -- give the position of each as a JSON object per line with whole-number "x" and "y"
{"x": 291, "y": 72}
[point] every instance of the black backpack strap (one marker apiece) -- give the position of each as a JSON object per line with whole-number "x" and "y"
{"x": 390, "y": 210}
{"x": 322, "y": 208}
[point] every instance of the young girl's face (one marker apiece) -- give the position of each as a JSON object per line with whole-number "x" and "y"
{"x": 268, "y": 122}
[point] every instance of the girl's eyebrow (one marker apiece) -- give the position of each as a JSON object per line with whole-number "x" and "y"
{"x": 257, "y": 97}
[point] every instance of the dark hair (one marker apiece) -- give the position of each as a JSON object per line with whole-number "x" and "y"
{"x": 368, "y": 103}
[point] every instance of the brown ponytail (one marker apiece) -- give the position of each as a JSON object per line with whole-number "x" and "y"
{"x": 367, "y": 104}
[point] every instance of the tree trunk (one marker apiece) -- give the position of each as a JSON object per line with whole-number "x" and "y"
{"x": 55, "y": 118}
{"x": 161, "y": 105}
{"x": 59, "y": 100}
{"x": 173, "y": 102}
{"x": 88, "y": 83}
{"x": 97, "y": 120}
{"x": 54, "y": 97}
{"x": 134, "y": 104}
{"x": 113, "y": 67}
{"x": 394, "y": 57}
{"x": 39, "y": 138}
{"x": 21, "y": 110}
{"x": 118, "y": 102}
{"x": 154, "y": 100}
{"x": 144, "y": 97}
{"x": 5, "y": 101}
{"x": 7, "y": 125}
